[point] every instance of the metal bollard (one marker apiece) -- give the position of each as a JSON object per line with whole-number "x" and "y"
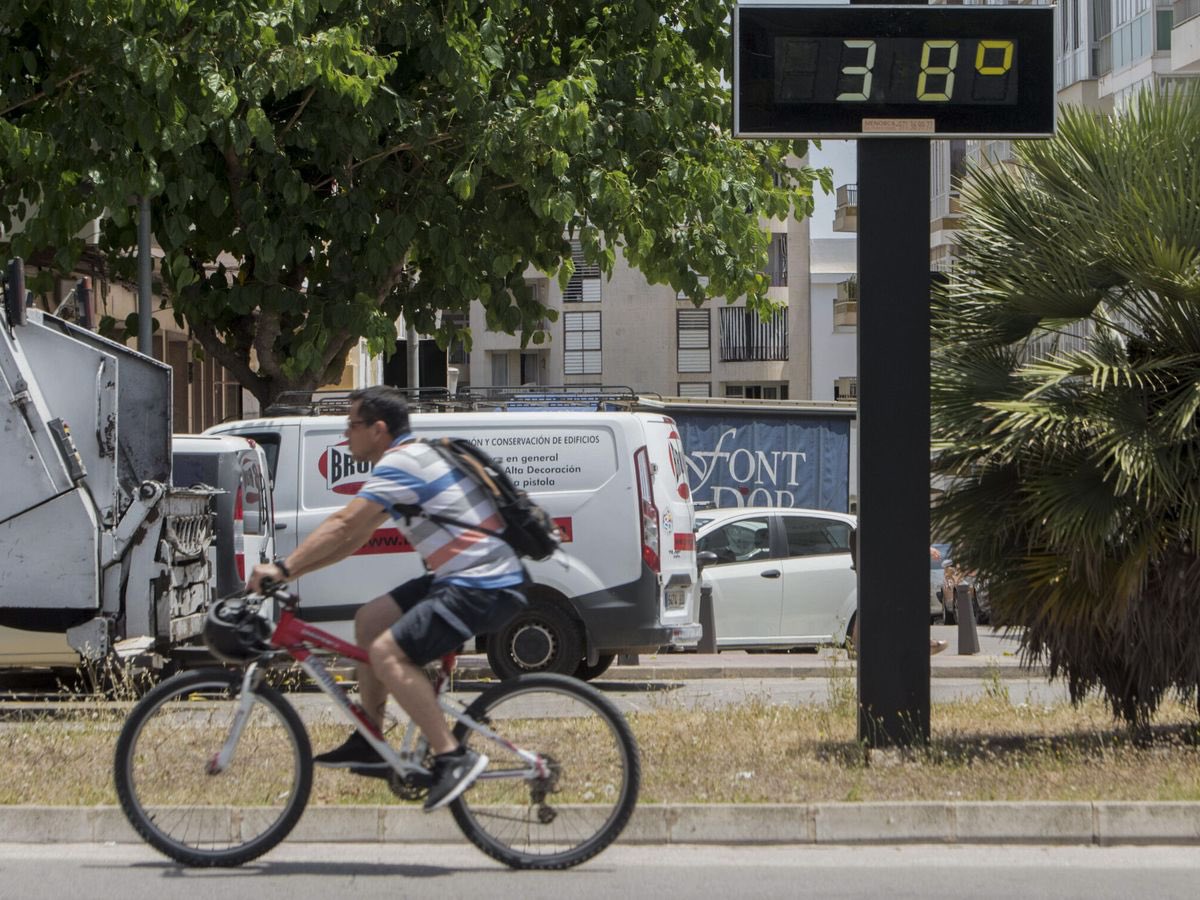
{"x": 708, "y": 621}
{"x": 968, "y": 635}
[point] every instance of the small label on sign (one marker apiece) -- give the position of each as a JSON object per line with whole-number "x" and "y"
{"x": 898, "y": 126}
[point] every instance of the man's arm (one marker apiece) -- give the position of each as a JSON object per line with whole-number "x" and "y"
{"x": 334, "y": 539}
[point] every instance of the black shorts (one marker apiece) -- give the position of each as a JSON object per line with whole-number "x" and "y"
{"x": 439, "y": 618}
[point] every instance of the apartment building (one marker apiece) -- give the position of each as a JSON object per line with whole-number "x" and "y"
{"x": 1106, "y": 52}
{"x": 833, "y": 282}
{"x": 623, "y": 331}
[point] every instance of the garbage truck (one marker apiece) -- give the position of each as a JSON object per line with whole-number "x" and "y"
{"x": 98, "y": 552}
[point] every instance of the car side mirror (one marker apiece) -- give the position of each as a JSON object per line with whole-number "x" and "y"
{"x": 705, "y": 558}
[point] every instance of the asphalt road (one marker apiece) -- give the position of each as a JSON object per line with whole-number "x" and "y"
{"x": 132, "y": 872}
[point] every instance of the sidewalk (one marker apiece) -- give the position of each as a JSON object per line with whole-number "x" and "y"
{"x": 998, "y": 657}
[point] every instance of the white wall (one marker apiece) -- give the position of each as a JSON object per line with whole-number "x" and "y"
{"x": 834, "y": 352}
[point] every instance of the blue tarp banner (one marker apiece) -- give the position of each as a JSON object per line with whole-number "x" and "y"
{"x": 740, "y": 460}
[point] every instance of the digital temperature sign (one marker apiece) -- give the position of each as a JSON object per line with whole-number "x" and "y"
{"x": 893, "y": 71}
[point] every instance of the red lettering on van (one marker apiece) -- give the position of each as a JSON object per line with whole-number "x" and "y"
{"x": 343, "y": 474}
{"x": 385, "y": 540}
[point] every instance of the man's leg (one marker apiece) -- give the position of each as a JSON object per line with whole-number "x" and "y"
{"x": 371, "y": 620}
{"x": 408, "y": 683}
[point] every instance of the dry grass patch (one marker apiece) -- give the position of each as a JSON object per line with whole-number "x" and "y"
{"x": 755, "y": 752}
{"x": 983, "y": 750}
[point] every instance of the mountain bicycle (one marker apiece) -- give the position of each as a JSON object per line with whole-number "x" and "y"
{"x": 214, "y": 766}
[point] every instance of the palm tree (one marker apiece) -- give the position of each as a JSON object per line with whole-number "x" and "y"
{"x": 1066, "y": 394}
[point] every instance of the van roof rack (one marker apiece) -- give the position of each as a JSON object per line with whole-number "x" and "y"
{"x": 467, "y": 398}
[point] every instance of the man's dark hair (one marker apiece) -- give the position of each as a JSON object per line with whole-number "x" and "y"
{"x": 383, "y": 404}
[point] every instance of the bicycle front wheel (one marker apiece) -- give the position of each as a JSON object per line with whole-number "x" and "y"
{"x": 590, "y": 786}
{"x": 164, "y": 770}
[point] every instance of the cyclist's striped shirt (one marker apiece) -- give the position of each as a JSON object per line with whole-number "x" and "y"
{"x": 415, "y": 474}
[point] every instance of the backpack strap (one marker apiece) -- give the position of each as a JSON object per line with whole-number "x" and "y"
{"x": 408, "y": 510}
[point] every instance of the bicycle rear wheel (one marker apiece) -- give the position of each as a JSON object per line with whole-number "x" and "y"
{"x": 594, "y": 773}
{"x": 162, "y": 772}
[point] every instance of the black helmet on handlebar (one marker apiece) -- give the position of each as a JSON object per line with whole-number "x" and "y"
{"x": 235, "y": 632}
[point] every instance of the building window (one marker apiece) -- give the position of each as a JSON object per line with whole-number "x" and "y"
{"x": 584, "y": 286}
{"x": 694, "y": 343}
{"x": 745, "y": 337}
{"x": 845, "y": 388}
{"x": 457, "y": 353}
{"x": 581, "y": 343}
{"x": 1164, "y": 22}
{"x": 695, "y": 389}
{"x": 777, "y": 260}
{"x": 777, "y": 391}
{"x": 500, "y": 368}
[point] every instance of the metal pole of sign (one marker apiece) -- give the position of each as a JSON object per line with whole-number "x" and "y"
{"x": 412, "y": 345}
{"x": 893, "y": 411}
{"x": 145, "y": 284}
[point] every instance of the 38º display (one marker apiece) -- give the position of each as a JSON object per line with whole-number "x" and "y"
{"x": 863, "y": 71}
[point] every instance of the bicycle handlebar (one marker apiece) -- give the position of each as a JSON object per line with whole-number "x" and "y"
{"x": 274, "y": 590}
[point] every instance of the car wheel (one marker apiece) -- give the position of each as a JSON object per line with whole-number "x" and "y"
{"x": 584, "y": 672}
{"x": 543, "y": 638}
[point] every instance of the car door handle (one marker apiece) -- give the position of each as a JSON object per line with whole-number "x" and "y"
{"x": 770, "y": 573}
{"x": 281, "y": 526}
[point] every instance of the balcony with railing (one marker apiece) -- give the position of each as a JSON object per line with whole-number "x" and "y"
{"x": 745, "y": 337}
{"x": 845, "y": 214}
{"x": 845, "y": 305}
{"x": 1185, "y": 37}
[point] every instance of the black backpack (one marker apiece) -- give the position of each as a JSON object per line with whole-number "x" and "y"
{"x": 528, "y": 528}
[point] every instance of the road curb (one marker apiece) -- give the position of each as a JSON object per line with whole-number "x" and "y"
{"x": 980, "y": 670}
{"x": 1102, "y": 823}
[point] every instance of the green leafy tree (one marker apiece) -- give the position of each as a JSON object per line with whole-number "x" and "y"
{"x": 1067, "y": 393}
{"x": 318, "y": 167}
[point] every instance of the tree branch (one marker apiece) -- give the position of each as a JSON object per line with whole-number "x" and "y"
{"x": 398, "y": 148}
{"x": 204, "y": 332}
{"x": 235, "y": 174}
{"x": 296, "y": 116}
{"x": 266, "y": 330}
{"x": 40, "y": 94}
{"x": 334, "y": 356}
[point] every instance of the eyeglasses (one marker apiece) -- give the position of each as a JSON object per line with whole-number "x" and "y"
{"x": 351, "y": 423}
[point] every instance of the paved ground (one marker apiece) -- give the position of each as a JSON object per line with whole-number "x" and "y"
{"x": 453, "y": 871}
{"x": 998, "y": 657}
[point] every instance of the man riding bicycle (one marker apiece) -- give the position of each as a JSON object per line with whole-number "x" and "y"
{"x": 473, "y": 583}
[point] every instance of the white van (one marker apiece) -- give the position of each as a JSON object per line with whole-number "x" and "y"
{"x": 625, "y": 580}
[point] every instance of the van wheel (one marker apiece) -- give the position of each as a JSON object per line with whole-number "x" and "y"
{"x": 543, "y": 638}
{"x": 584, "y": 672}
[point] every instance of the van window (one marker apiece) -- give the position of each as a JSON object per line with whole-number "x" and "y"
{"x": 254, "y": 498}
{"x": 189, "y": 469}
{"x": 269, "y": 441}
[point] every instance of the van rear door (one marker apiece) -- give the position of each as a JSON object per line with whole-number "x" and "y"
{"x": 676, "y": 522}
